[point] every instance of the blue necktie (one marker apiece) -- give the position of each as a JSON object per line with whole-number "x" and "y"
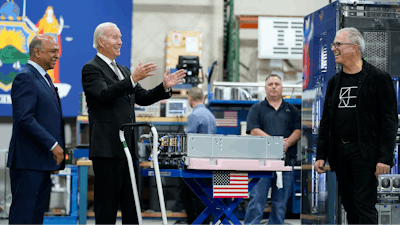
{"x": 52, "y": 86}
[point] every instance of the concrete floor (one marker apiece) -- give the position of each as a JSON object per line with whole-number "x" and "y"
{"x": 172, "y": 221}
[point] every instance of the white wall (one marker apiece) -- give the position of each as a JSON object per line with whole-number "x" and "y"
{"x": 5, "y": 132}
{"x": 278, "y": 7}
{"x": 153, "y": 19}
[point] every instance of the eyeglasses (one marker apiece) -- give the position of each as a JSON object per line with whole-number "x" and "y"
{"x": 338, "y": 44}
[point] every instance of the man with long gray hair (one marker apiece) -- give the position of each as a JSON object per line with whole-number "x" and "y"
{"x": 358, "y": 127}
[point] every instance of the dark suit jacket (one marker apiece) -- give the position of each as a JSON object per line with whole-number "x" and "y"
{"x": 110, "y": 105}
{"x": 37, "y": 123}
{"x": 376, "y": 117}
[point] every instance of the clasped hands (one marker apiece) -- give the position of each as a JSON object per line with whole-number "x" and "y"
{"x": 170, "y": 80}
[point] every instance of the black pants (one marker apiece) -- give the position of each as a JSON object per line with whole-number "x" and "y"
{"x": 357, "y": 184}
{"x": 193, "y": 205}
{"x": 112, "y": 187}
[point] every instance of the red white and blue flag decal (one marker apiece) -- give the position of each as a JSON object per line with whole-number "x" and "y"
{"x": 230, "y": 184}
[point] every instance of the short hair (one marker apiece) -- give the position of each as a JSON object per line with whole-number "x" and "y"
{"x": 99, "y": 32}
{"x": 355, "y": 37}
{"x": 196, "y": 94}
{"x": 272, "y": 75}
{"x": 35, "y": 43}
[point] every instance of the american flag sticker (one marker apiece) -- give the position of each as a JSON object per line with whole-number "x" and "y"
{"x": 230, "y": 119}
{"x": 229, "y": 184}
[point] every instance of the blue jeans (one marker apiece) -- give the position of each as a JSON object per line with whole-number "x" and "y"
{"x": 279, "y": 198}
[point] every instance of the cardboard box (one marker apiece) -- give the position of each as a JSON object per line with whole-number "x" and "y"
{"x": 182, "y": 43}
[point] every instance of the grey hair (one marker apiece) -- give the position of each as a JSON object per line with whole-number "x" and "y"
{"x": 196, "y": 94}
{"x": 99, "y": 32}
{"x": 272, "y": 75}
{"x": 355, "y": 37}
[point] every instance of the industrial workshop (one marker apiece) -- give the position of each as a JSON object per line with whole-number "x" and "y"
{"x": 199, "y": 112}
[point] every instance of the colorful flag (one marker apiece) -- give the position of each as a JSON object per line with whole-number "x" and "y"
{"x": 230, "y": 119}
{"x": 229, "y": 184}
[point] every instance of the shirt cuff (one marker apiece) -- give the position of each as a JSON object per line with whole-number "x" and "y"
{"x": 133, "y": 82}
{"x": 54, "y": 146}
{"x": 168, "y": 90}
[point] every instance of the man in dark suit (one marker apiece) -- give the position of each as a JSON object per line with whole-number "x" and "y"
{"x": 37, "y": 142}
{"x": 111, "y": 92}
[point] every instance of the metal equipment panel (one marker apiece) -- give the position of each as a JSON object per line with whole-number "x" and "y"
{"x": 199, "y": 145}
{"x": 234, "y": 146}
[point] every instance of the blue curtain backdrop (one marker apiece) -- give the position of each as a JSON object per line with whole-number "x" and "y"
{"x": 76, "y": 41}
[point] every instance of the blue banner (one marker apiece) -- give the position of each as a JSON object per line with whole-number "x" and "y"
{"x": 72, "y": 23}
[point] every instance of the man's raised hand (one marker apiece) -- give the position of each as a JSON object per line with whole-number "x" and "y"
{"x": 143, "y": 71}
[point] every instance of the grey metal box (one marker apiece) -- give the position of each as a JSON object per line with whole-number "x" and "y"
{"x": 234, "y": 146}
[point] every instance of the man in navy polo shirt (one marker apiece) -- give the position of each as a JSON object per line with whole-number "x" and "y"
{"x": 273, "y": 117}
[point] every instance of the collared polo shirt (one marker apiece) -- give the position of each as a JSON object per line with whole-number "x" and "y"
{"x": 281, "y": 122}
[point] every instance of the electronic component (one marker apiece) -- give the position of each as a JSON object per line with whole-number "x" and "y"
{"x": 175, "y": 107}
{"x": 221, "y": 152}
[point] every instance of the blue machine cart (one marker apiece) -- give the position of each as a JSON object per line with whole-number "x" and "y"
{"x": 194, "y": 178}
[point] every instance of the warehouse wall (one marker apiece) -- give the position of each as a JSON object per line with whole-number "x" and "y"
{"x": 260, "y": 68}
{"x": 278, "y": 8}
{"x": 153, "y": 19}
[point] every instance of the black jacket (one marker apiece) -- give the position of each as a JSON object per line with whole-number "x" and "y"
{"x": 110, "y": 105}
{"x": 376, "y": 114}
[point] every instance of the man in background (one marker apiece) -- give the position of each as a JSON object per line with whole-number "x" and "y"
{"x": 200, "y": 121}
{"x": 273, "y": 117}
{"x": 111, "y": 92}
{"x": 358, "y": 128}
{"x": 37, "y": 142}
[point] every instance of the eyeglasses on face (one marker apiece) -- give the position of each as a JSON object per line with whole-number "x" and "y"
{"x": 338, "y": 44}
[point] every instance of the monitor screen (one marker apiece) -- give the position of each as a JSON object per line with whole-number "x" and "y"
{"x": 177, "y": 107}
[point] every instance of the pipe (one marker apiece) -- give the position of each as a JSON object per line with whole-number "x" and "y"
{"x": 158, "y": 176}
{"x": 133, "y": 177}
{"x": 156, "y": 171}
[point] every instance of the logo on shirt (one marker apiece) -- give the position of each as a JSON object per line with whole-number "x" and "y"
{"x": 348, "y": 97}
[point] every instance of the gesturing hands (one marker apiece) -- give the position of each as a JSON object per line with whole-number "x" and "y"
{"x": 171, "y": 80}
{"x": 58, "y": 154}
{"x": 143, "y": 71}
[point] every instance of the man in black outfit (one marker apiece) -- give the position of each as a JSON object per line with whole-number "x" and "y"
{"x": 111, "y": 92}
{"x": 358, "y": 127}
